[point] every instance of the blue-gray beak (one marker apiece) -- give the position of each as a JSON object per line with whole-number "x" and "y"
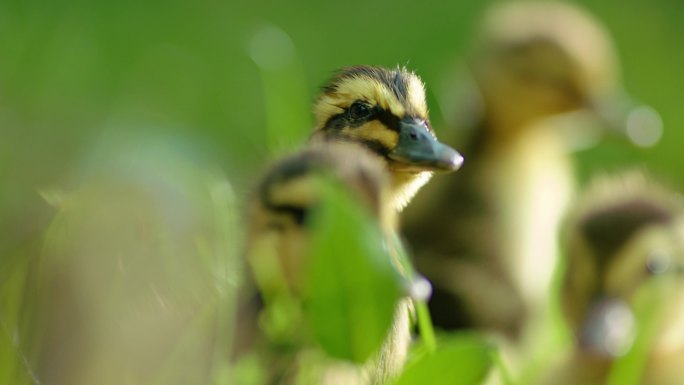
{"x": 418, "y": 147}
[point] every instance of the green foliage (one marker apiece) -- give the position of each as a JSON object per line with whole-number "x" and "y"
{"x": 423, "y": 319}
{"x": 649, "y": 313}
{"x": 13, "y": 368}
{"x": 138, "y": 274}
{"x": 71, "y": 69}
{"x": 458, "y": 360}
{"x": 285, "y": 96}
{"x": 352, "y": 286}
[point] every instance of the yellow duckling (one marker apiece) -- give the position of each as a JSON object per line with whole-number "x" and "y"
{"x": 486, "y": 237}
{"x": 373, "y": 135}
{"x": 623, "y": 290}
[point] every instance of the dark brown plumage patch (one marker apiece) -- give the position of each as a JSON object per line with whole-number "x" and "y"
{"x": 396, "y": 79}
{"x": 608, "y": 229}
{"x": 322, "y": 160}
{"x": 343, "y": 120}
{"x": 294, "y": 167}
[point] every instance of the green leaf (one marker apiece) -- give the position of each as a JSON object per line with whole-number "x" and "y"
{"x": 425, "y": 328}
{"x": 649, "y": 308}
{"x": 352, "y": 286}
{"x": 286, "y": 99}
{"x": 460, "y": 360}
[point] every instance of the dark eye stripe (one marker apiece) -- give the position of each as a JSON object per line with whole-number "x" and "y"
{"x": 336, "y": 122}
{"x": 298, "y": 214}
{"x": 388, "y": 119}
{"x": 342, "y": 120}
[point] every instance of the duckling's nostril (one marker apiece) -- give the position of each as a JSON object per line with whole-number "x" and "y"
{"x": 413, "y": 136}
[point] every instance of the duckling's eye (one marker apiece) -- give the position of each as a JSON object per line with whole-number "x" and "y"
{"x": 359, "y": 110}
{"x": 658, "y": 262}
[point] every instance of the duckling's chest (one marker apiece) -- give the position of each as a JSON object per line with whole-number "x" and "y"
{"x": 528, "y": 183}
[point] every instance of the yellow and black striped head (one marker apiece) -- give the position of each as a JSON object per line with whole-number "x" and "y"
{"x": 385, "y": 111}
{"x": 625, "y": 255}
{"x": 291, "y": 192}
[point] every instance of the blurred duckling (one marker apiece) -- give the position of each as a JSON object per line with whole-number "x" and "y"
{"x": 486, "y": 237}
{"x": 290, "y": 191}
{"x": 280, "y": 220}
{"x": 624, "y": 284}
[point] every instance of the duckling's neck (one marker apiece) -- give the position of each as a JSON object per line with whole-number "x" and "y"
{"x": 506, "y": 124}
{"x": 405, "y": 185}
{"x": 504, "y": 130}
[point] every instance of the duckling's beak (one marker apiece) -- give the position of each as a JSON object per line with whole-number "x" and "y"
{"x": 417, "y": 147}
{"x": 609, "y": 328}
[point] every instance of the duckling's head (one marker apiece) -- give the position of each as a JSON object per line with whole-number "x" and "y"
{"x": 384, "y": 110}
{"x": 536, "y": 59}
{"x": 625, "y": 255}
{"x": 292, "y": 191}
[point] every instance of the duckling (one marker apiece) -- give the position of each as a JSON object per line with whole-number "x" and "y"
{"x": 384, "y": 111}
{"x": 372, "y": 130}
{"x": 288, "y": 193}
{"x": 624, "y": 283}
{"x": 288, "y": 196}
{"x": 486, "y": 237}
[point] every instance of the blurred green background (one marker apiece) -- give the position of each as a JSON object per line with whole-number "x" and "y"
{"x": 212, "y": 79}
{"x": 70, "y": 70}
